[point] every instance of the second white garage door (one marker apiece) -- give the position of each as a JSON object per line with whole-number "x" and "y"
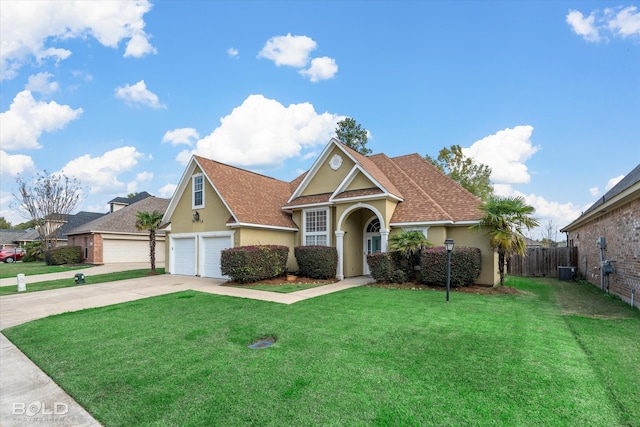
{"x": 210, "y": 251}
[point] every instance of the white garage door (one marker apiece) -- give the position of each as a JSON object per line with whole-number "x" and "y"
{"x": 211, "y": 248}
{"x": 184, "y": 256}
{"x": 129, "y": 250}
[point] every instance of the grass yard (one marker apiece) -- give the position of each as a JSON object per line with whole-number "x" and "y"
{"x": 32, "y": 268}
{"x": 364, "y": 356}
{"x": 89, "y": 280}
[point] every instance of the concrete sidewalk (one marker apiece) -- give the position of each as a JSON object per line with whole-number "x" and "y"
{"x": 29, "y": 397}
{"x": 98, "y": 269}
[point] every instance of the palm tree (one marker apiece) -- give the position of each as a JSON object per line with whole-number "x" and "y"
{"x": 504, "y": 220}
{"x": 150, "y": 221}
{"x": 409, "y": 244}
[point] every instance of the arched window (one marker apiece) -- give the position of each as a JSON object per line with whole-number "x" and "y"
{"x": 374, "y": 226}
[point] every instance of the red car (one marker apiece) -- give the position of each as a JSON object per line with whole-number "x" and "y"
{"x": 11, "y": 255}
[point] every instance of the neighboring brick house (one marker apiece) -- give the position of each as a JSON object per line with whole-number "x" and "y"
{"x": 64, "y": 225}
{"x": 10, "y": 239}
{"x": 114, "y": 238}
{"x": 616, "y": 217}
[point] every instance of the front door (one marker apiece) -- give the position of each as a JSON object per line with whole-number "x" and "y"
{"x": 372, "y": 242}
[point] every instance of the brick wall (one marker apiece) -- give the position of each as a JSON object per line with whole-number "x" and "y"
{"x": 621, "y": 228}
{"x": 92, "y": 247}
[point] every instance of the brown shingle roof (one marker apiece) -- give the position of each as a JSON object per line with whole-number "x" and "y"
{"x": 309, "y": 200}
{"x": 429, "y": 195}
{"x": 359, "y": 193}
{"x": 252, "y": 198}
{"x": 372, "y": 169}
{"x": 123, "y": 220}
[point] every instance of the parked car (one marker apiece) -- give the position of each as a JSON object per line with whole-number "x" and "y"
{"x": 11, "y": 254}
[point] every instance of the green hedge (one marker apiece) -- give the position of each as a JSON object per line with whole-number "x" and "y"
{"x": 246, "y": 264}
{"x": 316, "y": 262}
{"x": 389, "y": 267}
{"x": 465, "y": 266}
{"x": 63, "y": 255}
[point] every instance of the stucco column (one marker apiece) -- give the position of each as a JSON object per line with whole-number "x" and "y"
{"x": 384, "y": 237}
{"x": 339, "y": 248}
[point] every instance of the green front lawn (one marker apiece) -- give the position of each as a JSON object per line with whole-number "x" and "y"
{"x": 364, "y": 356}
{"x": 70, "y": 281}
{"x": 32, "y": 268}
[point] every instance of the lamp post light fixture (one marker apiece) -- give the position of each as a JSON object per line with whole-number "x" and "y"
{"x": 196, "y": 216}
{"x": 448, "y": 244}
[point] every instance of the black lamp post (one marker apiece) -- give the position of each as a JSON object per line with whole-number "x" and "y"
{"x": 448, "y": 244}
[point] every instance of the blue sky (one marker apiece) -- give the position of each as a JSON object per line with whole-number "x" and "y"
{"x": 120, "y": 94}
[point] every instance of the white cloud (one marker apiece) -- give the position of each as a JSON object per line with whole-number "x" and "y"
{"x": 582, "y": 26}
{"x": 40, "y": 83}
{"x": 101, "y": 173}
{"x": 560, "y": 213}
{"x": 625, "y": 23}
{"x": 232, "y": 52}
{"x": 140, "y": 182}
{"x": 613, "y": 181}
{"x": 27, "y": 119}
{"x": 262, "y": 133}
{"x": 181, "y": 136}
{"x": 139, "y": 46}
{"x": 620, "y": 22}
{"x": 28, "y": 29}
{"x": 167, "y": 190}
{"x": 12, "y": 165}
{"x": 138, "y": 95}
{"x": 288, "y": 50}
{"x": 505, "y": 153}
{"x": 321, "y": 69}
{"x": 9, "y": 214}
{"x": 594, "y": 191}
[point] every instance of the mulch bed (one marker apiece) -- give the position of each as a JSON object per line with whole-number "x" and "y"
{"x": 473, "y": 289}
{"x": 283, "y": 281}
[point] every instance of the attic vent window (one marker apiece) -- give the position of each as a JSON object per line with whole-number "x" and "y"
{"x": 335, "y": 162}
{"x": 198, "y": 191}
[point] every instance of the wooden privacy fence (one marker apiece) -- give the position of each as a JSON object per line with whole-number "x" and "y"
{"x": 542, "y": 262}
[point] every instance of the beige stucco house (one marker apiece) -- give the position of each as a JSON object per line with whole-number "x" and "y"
{"x": 346, "y": 200}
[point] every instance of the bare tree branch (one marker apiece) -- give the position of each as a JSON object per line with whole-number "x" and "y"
{"x": 47, "y": 200}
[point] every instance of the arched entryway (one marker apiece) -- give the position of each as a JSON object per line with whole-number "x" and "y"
{"x": 360, "y": 230}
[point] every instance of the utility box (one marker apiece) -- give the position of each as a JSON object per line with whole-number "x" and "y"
{"x": 79, "y": 277}
{"x": 22, "y": 283}
{"x": 566, "y": 273}
{"x": 606, "y": 267}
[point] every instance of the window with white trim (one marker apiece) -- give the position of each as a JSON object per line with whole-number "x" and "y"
{"x": 197, "y": 184}
{"x": 316, "y": 229}
{"x": 423, "y": 230}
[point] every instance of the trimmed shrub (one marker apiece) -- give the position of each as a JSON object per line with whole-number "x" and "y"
{"x": 465, "y": 266}
{"x": 33, "y": 252}
{"x": 63, "y": 255}
{"x": 388, "y": 267}
{"x": 316, "y": 262}
{"x": 246, "y": 264}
